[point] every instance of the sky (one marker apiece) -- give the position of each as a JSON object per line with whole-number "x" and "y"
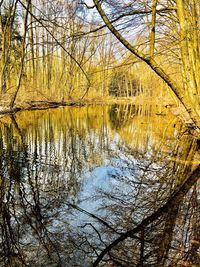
{"x": 89, "y": 2}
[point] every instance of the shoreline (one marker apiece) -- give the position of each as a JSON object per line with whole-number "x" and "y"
{"x": 45, "y": 104}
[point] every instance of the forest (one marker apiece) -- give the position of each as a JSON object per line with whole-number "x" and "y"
{"x": 61, "y": 50}
{"x": 99, "y": 133}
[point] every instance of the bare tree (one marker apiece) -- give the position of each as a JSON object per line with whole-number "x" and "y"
{"x": 23, "y": 50}
{"x": 7, "y": 17}
{"x": 185, "y": 15}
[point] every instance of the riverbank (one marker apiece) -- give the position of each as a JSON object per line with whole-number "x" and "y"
{"x": 46, "y": 104}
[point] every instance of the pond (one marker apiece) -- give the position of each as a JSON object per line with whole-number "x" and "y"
{"x": 98, "y": 186}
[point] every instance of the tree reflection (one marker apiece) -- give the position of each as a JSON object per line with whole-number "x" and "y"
{"x": 73, "y": 193}
{"x": 23, "y": 224}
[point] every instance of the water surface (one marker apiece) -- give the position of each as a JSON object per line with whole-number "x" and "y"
{"x": 73, "y": 181}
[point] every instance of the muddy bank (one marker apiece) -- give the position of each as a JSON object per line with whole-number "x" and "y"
{"x": 38, "y": 105}
{"x": 46, "y": 104}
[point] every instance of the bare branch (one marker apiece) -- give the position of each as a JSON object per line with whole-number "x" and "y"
{"x": 60, "y": 44}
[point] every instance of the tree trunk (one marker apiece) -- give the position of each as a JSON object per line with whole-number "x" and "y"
{"x": 23, "y": 48}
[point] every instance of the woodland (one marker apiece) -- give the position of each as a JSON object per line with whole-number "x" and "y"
{"x": 111, "y": 177}
{"x": 56, "y": 51}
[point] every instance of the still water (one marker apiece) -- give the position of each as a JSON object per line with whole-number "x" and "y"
{"x": 98, "y": 186}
